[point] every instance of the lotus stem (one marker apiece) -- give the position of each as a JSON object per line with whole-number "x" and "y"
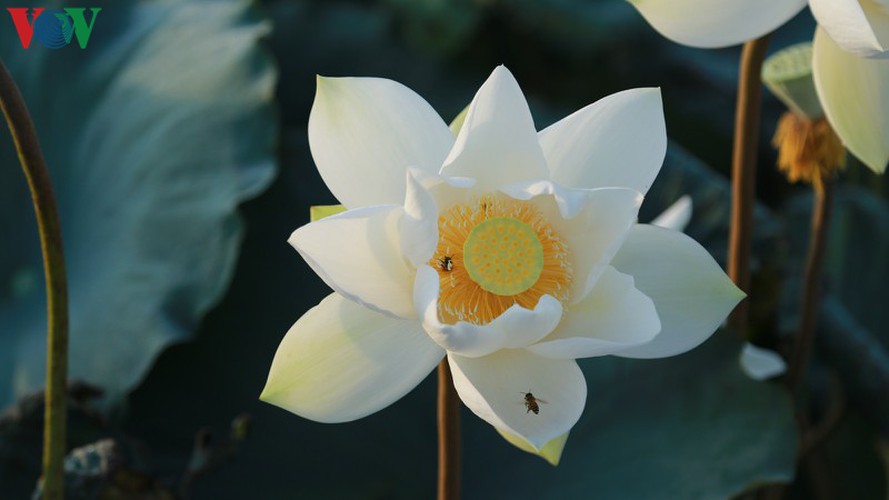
{"x": 746, "y": 145}
{"x": 811, "y": 295}
{"x": 448, "y": 435}
{"x": 31, "y": 158}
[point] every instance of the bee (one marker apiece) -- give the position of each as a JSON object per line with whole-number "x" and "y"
{"x": 531, "y": 403}
{"x": 446, "y": 264}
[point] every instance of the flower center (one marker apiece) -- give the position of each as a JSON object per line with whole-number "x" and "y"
{"x": 503, "y": 255}
{"x": 495, "y": 253}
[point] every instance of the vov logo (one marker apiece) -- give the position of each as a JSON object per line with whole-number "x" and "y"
{"x": 53, "y": 28}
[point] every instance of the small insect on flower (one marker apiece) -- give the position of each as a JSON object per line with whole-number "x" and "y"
{"x": 446, "y": 264}
{"x": 531, "y": 403}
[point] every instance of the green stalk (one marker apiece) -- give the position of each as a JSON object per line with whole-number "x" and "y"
{"x": 30, "y": 156}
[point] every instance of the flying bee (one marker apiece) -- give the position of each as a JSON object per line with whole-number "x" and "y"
{"x": 446, "y": 264}
{"x": 531, "y": 403}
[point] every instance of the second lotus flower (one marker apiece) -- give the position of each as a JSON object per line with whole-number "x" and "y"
{"x": 850, "y": 60}
{"x": 511, "y": 252}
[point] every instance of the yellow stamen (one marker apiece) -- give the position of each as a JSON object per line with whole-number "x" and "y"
{"x": 808, "y": 150}
{"x": 495, "y": 253}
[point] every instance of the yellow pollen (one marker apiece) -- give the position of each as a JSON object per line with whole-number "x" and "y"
{"x": 495, "y": 253}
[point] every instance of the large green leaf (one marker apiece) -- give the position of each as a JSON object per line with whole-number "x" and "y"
{"x": 153, "y": 134}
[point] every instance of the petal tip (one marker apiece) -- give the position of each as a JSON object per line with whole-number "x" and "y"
{"x": 265, "y": 395}
{"x": 324, "y": 81}
{"x": 270, "y": 395}
{"x": 651, "y": 91}
{"x": 736, "y": 292}
{"x": 878, "y": 166}
{"x": 293, "y": 238}
{"x": 323, "y": 84}
{"x": 730, "y": 291}
{"x": 327, "y": 90}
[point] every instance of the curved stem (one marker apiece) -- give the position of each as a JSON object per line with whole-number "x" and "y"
{"x": 30, "y": 156}
{"x": 821, "y": 212}
{"x": 448, "y": 435}
{"x": 744, "y": 171}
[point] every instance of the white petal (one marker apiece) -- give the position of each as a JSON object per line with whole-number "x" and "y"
{"x": 613, "y": 317}
{"x": 516, "y": 327}
{"x": 497, "y": 144}
{"x": 342, "y": 361}
{"x": 446, "y": 191}
{"x": 676, "y": 216}
{"x": 419, "y": 226}
{"x": 716, "y": 23}
{"x": 854, "y": 93}
{"x": 551, "y": 451}
{"x": 858, "y": 26}
{"x": 493, "y": 387}
{"x": 761, "y": 364}
{"x": 618, "y": 141}
{"x": 691, "y": 293}
{"x": 457, "y": 123}
{"x": 364, "y": 134}
{"x": 358, "y": 254}
{"x": 592, "y": 222}
{"x": 570, "y": 201}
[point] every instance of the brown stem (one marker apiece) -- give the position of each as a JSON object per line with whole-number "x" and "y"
{"x": 744, "y": 171}
{"x": 823, "y": 189}
{"x": 30, "y": 156}
{"x": 448, "y": 435}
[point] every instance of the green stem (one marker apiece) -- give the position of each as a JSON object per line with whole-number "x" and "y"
{"x": 744, "y": 171}
{"x": 28, "y": 147}
{"x": 448, "y": 435}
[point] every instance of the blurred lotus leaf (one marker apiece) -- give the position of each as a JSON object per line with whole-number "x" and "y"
{"x": 153, "y": 134}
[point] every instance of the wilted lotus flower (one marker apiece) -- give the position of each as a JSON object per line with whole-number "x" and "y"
{"x": 509, "y": 251}
{"x": 850, "y": 58}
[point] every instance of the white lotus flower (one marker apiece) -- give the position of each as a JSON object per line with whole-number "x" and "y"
{"x": 509, "y": 251}
{"x": 850, "y": 58}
